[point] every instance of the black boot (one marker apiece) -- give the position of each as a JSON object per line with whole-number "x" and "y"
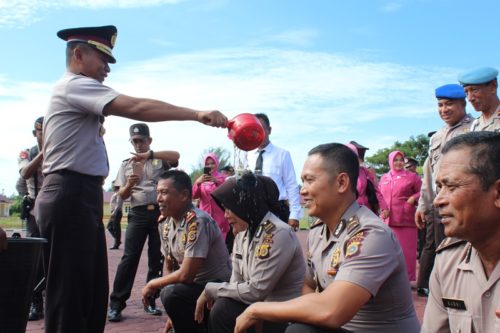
{"x": 36, "y": 310}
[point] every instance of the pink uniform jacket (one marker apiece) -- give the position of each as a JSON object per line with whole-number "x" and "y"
{"x": 397, "y": 187}
{"x": 363, "y": 177}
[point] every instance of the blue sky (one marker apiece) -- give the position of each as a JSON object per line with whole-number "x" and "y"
{"x": 324, "y": 71}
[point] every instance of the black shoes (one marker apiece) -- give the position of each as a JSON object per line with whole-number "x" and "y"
{"x": 152, "y": 310}
{"x": 115, "y": 247}
{"x": 423, "y": 292}
{"x": 36, "y": 311}
{"x": 114, "y": 315}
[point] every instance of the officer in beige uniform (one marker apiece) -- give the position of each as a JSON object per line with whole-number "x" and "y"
{"x": 464, "y": 288}
{"x": 356, "y": 277}
{"x": 137, "y": 179}
{"x": 451, "y": 108}
{"x": 268, "y": 264}
{"x": 481, "y": 86}
{"x": 195, "y": 252}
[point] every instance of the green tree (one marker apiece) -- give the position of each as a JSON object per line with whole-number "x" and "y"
{"x": 15, "y": 208}
{"x": 222, "y": 154}
{"x": 416, "y": 148}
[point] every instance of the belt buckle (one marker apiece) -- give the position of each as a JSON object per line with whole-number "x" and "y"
{"x": 150, "y": 207}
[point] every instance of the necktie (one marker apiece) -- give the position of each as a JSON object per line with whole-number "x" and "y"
{"x": 258, "y": 164}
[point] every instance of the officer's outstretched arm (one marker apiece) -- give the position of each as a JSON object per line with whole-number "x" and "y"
{"x": 332, "y": 308}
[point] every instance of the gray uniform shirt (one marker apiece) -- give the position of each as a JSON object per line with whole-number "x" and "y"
{"x": 364, "y": 251}
{"x": 270, "y": 267}
{"x": 144, "y": 193}
{"x": 461, "y": 298}
{"x": 197, "y": 236}
{"x": 72, "y": 127}
{"x": 436, "y": 144}
{"x": 481, "y": 124}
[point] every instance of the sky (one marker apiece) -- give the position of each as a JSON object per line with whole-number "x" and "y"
{"x": 322, "y": 70}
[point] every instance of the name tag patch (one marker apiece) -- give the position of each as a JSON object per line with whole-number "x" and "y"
{"x": 456, "y": 304}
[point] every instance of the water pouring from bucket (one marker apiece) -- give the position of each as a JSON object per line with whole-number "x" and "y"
{"x": 246, "y": 131}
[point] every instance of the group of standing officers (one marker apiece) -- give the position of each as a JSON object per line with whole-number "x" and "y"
{"x": 354, "y": 277}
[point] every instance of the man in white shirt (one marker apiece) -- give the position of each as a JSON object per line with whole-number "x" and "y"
{"x": 276, "y": 163}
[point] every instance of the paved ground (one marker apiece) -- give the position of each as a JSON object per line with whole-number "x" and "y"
{"x": 136, "y": 320}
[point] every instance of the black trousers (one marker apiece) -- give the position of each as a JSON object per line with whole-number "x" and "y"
{"x": 142, "y": 225}
{"x": 68, "y": 211}
{"x": 179, "y": 300}
{"x": 33, "y": 231}
{"x": 434, "y": 236}
{"x": 223, "y": 318}
{"x": 114, "y": 226}
{"x": 304, "y": 328}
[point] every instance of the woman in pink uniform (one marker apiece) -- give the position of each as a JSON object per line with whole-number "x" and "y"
{"x": 401, "y": 190}
{"x": 206, "y": 184}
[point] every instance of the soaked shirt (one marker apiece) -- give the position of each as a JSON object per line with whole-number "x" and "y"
{"x": 269, "y": 267}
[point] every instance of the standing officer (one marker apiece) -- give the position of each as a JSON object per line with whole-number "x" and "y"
{"x": 268, "y": 263}
{"x": 194, "y": 250}
{"x": 276, "y": 163}
{"x": 356, "y": 276}
{"x": 30, "y": 168}
{"x": 69, "y": 207}
{"x": 138, "y": 181}
{"x": 464, "y": 285}
{"x": 114, "y": 224}
{"x": 481, "y": 86}
{"x": 451, "y": 108}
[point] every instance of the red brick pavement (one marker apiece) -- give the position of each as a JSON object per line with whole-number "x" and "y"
{"x": 135, "y": 320}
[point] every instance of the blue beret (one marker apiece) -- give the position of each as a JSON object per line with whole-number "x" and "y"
{"x": 478, "y": 76}
{"x": 450, "y": 91}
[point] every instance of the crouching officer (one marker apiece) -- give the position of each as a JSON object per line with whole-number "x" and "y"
{"x": 464, "y": 287}
{"x": 194, "y": 250}
{"x": 137, "y": 179}
{"x": 268, "y": 264}
{"x": 30, "y": 169}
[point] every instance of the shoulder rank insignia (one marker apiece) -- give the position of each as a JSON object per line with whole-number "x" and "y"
{"x": 352, "y": 224}
{"x": 340, "y": 228}
{"x": 316, "y": 223}
{"x": 263, "y": 251}
{"x": 269, "y": 226}
{"x": 448, "y": 243}
{"x": 353, "y": 245}
{"x": 189, "y": 216}
{"x": 334, "y": 263}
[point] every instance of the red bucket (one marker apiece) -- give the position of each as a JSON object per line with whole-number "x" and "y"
{"x": 246, "y": 131}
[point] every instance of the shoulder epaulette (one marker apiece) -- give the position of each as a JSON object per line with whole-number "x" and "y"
{"x": 190, "y": 215}
{"x": 353, "y": 225}
{"x": 448, "y": 243}
{"x": 269, "y": 226}
{"x": 316, "y": 223}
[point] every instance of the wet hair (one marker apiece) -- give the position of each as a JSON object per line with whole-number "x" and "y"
{"x": 264, "y": 118}
{"x": 250, "y": 197}
{"x": 484, "y": 154}
{"x": 180, "y": 179}
{"x": 339, "y": 158}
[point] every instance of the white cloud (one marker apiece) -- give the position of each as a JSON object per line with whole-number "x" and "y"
{"x": 21, "y": 13}
{"x": 391, "y": 7}
{"x": 311, "y": 98}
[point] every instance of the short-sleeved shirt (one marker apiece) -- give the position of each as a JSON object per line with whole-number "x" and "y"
{"x": 269, "y": 267}
{"x": 461, "y": 298}
{"x": 25, "y": 157}
{"x": 436, "y": 144}
{"x": 196, "y": 236}
{"x": 72, "y": 128}
{"x": 364, "y": 251}
{"x": 144, "y": 193}
{"x": 492, "y": 125}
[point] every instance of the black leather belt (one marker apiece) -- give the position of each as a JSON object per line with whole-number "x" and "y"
{"x": 149, "y": 207}
{"x": 66, "y": 172}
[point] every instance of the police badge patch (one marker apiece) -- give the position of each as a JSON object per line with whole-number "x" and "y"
{"x": 353, "y": 246}
{"x": 334, "y": 263}
{"x": 263, "y": 251}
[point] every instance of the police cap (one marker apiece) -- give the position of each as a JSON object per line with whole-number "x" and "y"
{"x": 102, "y": 38}
{"x": 39, "y": 123}
{"x": 140, "y": 130}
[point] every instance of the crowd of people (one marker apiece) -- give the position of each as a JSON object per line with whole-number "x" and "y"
{"x": 234, "y": 263}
